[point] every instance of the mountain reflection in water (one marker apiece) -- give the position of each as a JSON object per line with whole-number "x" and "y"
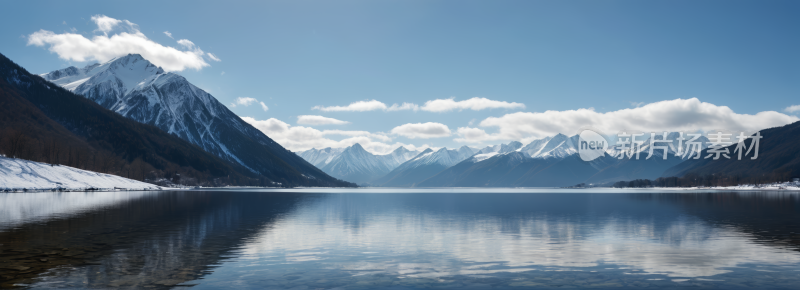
{"x": 403, "y": 239}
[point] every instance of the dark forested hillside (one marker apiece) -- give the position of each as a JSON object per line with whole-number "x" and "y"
{"x": 778, "y": 159}
{"x": 42, "y": 122}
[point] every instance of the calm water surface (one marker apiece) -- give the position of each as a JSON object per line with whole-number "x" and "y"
{"x": 401, "y": 239}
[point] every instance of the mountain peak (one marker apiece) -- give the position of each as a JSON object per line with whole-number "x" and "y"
{"x": 356, "y": 147}
{"x": 400, "y": 150}
{"x": 134, "y": 61}
{"x": 130, "y": 56}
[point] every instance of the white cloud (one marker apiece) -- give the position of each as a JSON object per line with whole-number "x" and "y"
{"x": 128, "y": 39}
{"x": 104, "y": 23}
{"x": 319, "y": 120}
{"x": 404, "y": 106}
{"x": 671, "y": 115}
{"x": 792, "y": 109}
{"x": 422, "y": 130}
{"x": 378, "y": 136}
{"x": 186, "y": 43}
{"x": 637, "y": 104}
{"x": 300, "y": 138}
{"x": 222, "y": 74}
{"x": 243, "y": 101}
{"x": 169, "y": 34}
{"x": 360, "y": 106}
{"x": 475, "y": 104}
{"x": 438, "y": 105}
{"x": 213, "y": 57}
{"x": 264, "y": 106}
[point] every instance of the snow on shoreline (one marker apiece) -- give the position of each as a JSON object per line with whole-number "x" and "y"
{"x": 788, "y": 186}
{"x": 25, "y": 175}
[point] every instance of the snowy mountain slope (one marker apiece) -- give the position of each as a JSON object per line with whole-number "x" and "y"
{"x": 19, "y": 174}
{"x": 357, "y": 165}
{"x": 397, "y": 157}
{"x": 137, "y": 89}
{"x": 320, "y": 157}
{"x": 535, "y": 147}
{"x": 560, "y": 146}
{"x": 423, "y": 166}
{"x": 501, "y": 148}
{"x": 465, "y": 152}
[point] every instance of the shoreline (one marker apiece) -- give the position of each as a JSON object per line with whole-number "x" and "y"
{"x": 789, "y": 188}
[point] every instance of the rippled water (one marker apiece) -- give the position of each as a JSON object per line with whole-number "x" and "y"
{"x": 401, "y": 239}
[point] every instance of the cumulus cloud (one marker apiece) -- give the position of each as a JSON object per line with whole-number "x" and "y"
{"x": 422, "y": 130}
{"x": 475, "y": 104}
{"x": 792, "y": 109}
{"x": 360, "y": 106}
{"x": 264, "y": 106}
{"x": 168, "y": 34}
{"x": 127, "y": 39}
{"x": 671, "y": 115}
{"x": 300, "y": 138}
{"x": 319, "y": 120}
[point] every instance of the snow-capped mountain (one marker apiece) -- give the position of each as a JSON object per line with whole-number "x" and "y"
{"x": 535, "y": 147}
{"x": 137, "y": 89}
{"x": 554, "y": 161}
{"x": 559, "y": 146}
{"x": 465, "y": 152}
{"x": 501, "y": 148}
{"x": 423, "y": 166}
{"x": 357, "y": 165}
{"x": 320, "y": 157}
{"x": 397, "y": 157}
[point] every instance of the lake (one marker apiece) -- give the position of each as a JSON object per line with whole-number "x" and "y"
{"x": 401, "y": 239}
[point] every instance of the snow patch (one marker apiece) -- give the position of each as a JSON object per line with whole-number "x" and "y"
{"x": 18, "y": 174}
{"x": 482, "y": 157}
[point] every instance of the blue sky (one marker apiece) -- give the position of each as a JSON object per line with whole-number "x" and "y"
{"x": 556, "y": 56}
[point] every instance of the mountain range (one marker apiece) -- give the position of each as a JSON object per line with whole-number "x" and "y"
{"x": 216, "y": 143}
{"x": 545, "y": 162}
{"x": 423, "y": 166}
{"x": 133, "y": 87}
{"x": 355, "y": 164}
{"x": 554, "y": 161}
